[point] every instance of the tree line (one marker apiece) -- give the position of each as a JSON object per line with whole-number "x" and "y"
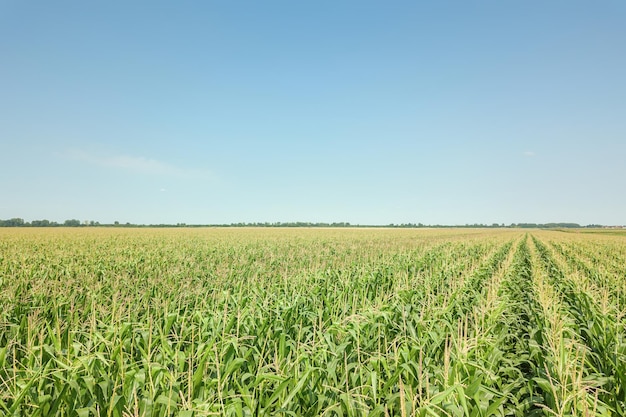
{"x": 18, "y": 222}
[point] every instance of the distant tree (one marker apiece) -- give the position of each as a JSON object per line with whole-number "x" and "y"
{"x": 71, "y": 223}
{"x": 17, "y": 222}
{"x": 14, "y": 222}
{"x": 40, "y": 223}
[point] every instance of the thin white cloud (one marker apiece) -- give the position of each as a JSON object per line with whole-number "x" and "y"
{"x": 138, "y": 164}
{"x": 529, "y": 153}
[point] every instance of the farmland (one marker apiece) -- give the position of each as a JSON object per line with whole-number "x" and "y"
{"x": 309, "y": 322}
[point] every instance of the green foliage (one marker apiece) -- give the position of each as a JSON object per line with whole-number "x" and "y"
{"x": 249, "y": 322}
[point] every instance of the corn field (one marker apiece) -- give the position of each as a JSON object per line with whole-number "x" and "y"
{"x": 312, "y": 322}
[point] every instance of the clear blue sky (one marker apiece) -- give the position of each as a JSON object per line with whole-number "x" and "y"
{"x": 362, "y": 111}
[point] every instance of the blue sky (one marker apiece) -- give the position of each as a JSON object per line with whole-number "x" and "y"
{"x": 370, "y": 112}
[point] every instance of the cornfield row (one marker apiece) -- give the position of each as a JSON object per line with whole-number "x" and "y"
{"x": 305, "y": 322}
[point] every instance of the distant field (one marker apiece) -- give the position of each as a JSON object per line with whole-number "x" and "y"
{"x": 619, "y": 232}
{"x": 310, "y": 322}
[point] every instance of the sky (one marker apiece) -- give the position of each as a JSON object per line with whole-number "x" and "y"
{"x": 368, "y": 112}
